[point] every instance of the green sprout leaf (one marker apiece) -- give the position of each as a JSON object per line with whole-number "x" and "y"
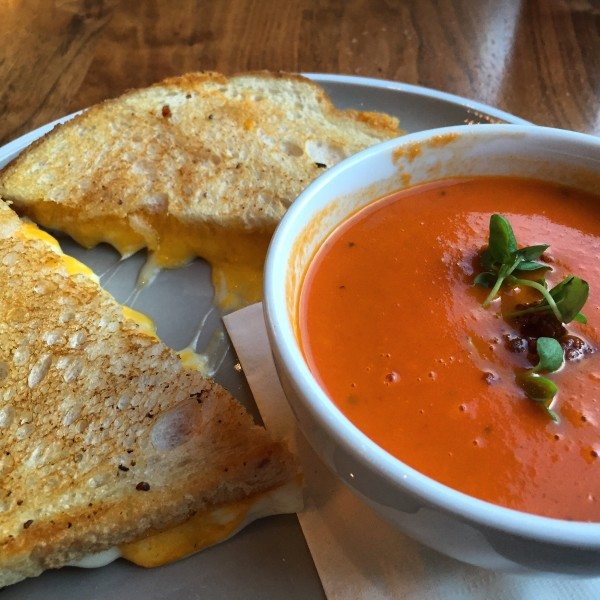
{"x": 502, "y": 257}
{"x": 486, "y": 280}
{"x": 559, "y": 291}
{"x": 574, "y": 293}
{"x": 504, "y": 272}
{"x": 540, "y": 389}
{"x": 532, "y": 253}
{"x": 551, "y": 355}
{"x": 532, "y": 265}
{"x": 502, "y": 261}
{"x": 565, "y": 299}
{"x": 502, "y": 239}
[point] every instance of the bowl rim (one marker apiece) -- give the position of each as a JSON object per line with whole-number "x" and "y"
{"x": 336, "y": 424}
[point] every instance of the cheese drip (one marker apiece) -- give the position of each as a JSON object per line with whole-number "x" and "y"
{"x": 235, "y": 254}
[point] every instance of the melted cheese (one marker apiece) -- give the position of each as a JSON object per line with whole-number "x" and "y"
{"x": 193, "y": 360}
{"x": 236, "y": 285}
{"x": 208, "y": 528}
{"x": 235, "y": 254}
{"x": 97, "y": 560}
{"x": 30, "y": 231}
{"x": 236, "y": 259}
{"x": 202, "y": 530}
{"x": 75, "y": 267}
{"x": 209, "y": 361}
{"x": 148, "y": 272}
{"x": 144, "y": 322}
{"x": 199, "y": 532}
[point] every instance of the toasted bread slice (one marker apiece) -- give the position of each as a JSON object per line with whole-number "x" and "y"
{"x": 197, "y": 165}
{"x": 105, "y": 437}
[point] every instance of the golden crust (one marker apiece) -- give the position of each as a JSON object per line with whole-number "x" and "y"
{"x": 91, "y": 407}
{"x": 198, "y": 148}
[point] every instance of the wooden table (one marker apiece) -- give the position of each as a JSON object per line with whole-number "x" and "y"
{"x": 539, "y": 59}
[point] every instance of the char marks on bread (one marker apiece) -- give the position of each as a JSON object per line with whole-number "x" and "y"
{"x": 104, "y": 434}
{"x": 201, "y": 148}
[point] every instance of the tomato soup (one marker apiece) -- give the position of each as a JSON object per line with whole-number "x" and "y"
{"x": 394, "y": 330}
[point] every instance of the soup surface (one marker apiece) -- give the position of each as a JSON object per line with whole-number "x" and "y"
{"x": 395, "y": 332}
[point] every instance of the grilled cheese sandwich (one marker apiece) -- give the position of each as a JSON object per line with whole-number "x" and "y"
{"x": 111, "y": 446}
{"x": 210, "y": 175}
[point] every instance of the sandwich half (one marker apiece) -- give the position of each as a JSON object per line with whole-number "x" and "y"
{"x": 109, "y": 446}
{"x": 197, "y": 165}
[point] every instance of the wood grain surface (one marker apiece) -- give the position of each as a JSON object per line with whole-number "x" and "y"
{"x": 539, "y": 59}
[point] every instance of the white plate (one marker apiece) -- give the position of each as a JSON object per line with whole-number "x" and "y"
{"x": 270, "y": 558}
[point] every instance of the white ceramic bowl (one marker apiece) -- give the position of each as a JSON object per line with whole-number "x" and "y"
{"x": 454, "y": 523}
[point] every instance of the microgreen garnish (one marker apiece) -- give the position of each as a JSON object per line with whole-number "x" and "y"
{"x": 503, "y": 260}
{"x": 504, "y": 263}
{"x": 565, "y": 300}
{"x": 550, "y": 354}
{"x": 539, "y": 388}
